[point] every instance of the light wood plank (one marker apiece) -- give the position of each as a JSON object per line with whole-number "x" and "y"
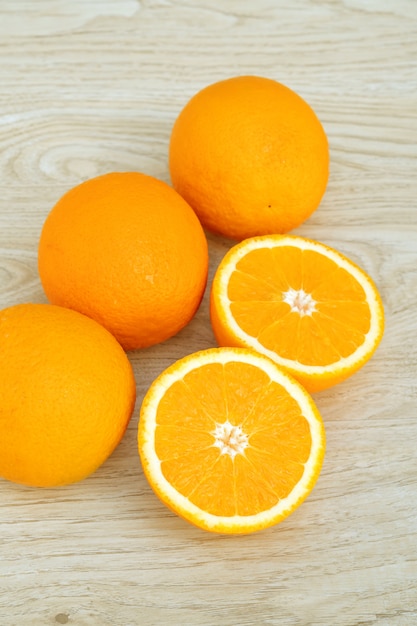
{"x": 93, "y": 86}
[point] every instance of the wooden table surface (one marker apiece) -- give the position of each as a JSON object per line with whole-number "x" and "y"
{"x": 92, "y": 86}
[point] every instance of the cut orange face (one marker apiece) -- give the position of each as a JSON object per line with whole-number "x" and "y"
{"x": 299, "y": 302}
{"x": 229, "y": 441}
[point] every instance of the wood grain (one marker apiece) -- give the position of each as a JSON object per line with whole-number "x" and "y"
{"x": 93, "y": 86}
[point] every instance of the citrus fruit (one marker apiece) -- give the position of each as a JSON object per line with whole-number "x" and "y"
{"x": 229, "y": 441}
{"x": 67, "y": 393}
{"x": 250, "y": 156}
{"x": 303, "y": 304}
{"x": 128, "y": 251}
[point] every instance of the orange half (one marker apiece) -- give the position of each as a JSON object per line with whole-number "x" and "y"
{"x": 299, "y": 302}
{"x": 229, "y": 441}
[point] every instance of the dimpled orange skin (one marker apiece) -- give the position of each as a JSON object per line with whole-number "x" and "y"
{"x": 67, "y": 393}
{"x": 250, "y": 156}
{"x": 128, "y": 251}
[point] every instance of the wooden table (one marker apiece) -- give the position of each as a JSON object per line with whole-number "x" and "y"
{"x": 91, "y": 86}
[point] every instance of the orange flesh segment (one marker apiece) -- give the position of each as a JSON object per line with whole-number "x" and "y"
{"x": 279, "y": 440}
{"x": 335, "y": 329}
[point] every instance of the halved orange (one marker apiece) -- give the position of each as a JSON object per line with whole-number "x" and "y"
{"x": 303, "y": 304}
{"x": 229, "y": 441}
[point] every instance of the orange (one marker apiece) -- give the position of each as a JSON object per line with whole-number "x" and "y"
{"x": 250, "y": 156}
{"x": 229, "y": 441}
{"x": 128, "y": 251}
{"x": 67, "y": 393}
{"x": 303, "y": 304}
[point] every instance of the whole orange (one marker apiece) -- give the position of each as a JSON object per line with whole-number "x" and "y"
{"x": 128, "y": 251}
{"x": 67, "y": 393}
{"x": 250, "y": 156}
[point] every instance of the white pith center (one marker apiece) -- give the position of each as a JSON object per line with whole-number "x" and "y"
{"x": 230, "y": 439}
{"x": 300, "y": 301}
